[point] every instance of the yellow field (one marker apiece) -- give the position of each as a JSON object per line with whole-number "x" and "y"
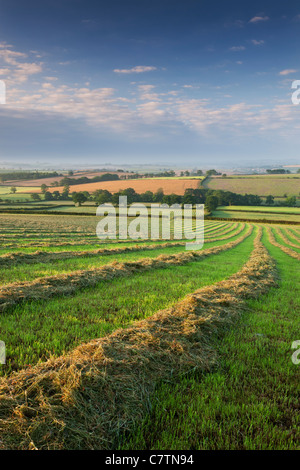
{"x": 169, "y": 186}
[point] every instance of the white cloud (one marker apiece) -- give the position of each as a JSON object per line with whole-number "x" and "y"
{"x": 137, "y": 69}
{"x": 106, "y": 109}
{"x": 257, "y": 42}
{"x": 258, "y": 19}
{"x": 237, "y": 48}
{"x": 287, "y": 72}
{"x": 23, "y": 71}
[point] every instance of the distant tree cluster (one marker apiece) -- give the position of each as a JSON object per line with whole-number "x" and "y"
{"x": 84, "y": 179}
{"x": 278, "y": 171}
{"x": 26, "y": 175}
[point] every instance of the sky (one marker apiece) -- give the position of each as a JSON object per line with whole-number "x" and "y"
{"x": 184, "y": 83}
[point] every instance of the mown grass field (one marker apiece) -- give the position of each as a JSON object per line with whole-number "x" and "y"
{"x": 288, "y": 214}
{"x": 107, "y": 348}
{"x": 271, "y": 209}
{"x": 264, "y": 185}
{"x": 20, "y": 195}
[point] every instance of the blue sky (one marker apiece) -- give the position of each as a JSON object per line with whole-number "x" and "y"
{"x": 190, "y": 83}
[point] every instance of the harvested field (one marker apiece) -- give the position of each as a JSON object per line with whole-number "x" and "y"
{"x": 71, "y": 314}
{"x": 283, "y": 248}
{"x": 66, "y": 284}
{"x": 169, "y": 186}
{"x": 90, "y": 379}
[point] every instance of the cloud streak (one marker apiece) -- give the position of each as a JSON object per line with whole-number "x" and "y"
{"x": 287, "y": 72}
{"x": 259, "y": 19}
{"x": 137, "y": 69}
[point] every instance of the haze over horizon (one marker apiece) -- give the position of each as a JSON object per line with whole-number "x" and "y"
{"x": 162, "y": 82}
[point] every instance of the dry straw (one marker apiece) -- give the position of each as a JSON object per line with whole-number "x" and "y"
{"x": 283, "y": 248}
{"x": 85, "y": 399}
{"x": 294, "y": 236}
{"x": 285, "y": 238}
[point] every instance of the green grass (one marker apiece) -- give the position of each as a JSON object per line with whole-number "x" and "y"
{"x": 251, "y": 400}
{"x": 35, "y": 331}
{"x": 18, "y": 196}
{"x": 248, "y": 215}
{"x": 264, "y": 185}
{"x": 31, "y": 271}
{"x": 277, "y": 209}
{"x": 280, "y": 240}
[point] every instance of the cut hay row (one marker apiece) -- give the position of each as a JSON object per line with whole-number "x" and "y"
{"x": 283, "y": 248}
{"x": 53, "y": 242}
{"x": 293, "y": 236}
{"x": 285, "y": 238}
{"x": 83, "y": 400}
{"x": 8, "y": 235}
{"x": 228, "y": 236}
{"x": 12, "y": 259}
{"x": 67, "y": 284}
{"x": 224, "y": 231}
{"x": 46, "y": 257}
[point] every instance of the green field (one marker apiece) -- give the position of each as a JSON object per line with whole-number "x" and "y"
{"x": 267, "y": 209}
{"x": 275, "y": 185}
{"x": 20, "y": 196}
{"x": 209, "y": 381}
{"x": 290, "y": 214}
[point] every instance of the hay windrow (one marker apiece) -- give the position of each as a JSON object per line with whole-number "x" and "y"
{"x": 12, "y": 259}
{"x": 67, "y": 284}
{"x": 283, "y": 248}
{"x": 285, "y": 238}
{"x": 237, "y": 232}
{"x": 46, "y": 257}
{"x": 84, "y": 399}
{"x": 294, "y": 236}
{"x": 224, "y": 230}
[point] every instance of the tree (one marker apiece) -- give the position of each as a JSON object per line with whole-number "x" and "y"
{"x": 44, "y": 188}
{"x": 35, "y": 197}
{"x": 70, "y": 173}
{"x": 291, "y": 201}
{"x": 158, "y": 196}
{"x": 13, "y": 189}
{"x": 56, "y": 195}
{"x": 270, "y": 200}
{"x": 211, "y": 203}
{"x": 66, "y": 192}
{"x": 147, "y": 196}
{"x": 79, "y": 198}
{"x": 102, "y": 196}
{"x": 48, "y": 196}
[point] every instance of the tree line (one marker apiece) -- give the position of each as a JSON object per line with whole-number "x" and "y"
{"x": 211, "y": 198}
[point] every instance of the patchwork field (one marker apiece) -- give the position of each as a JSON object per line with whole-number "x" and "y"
{"x": 144, "y": 345}
{"x": 276, "y": 185}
